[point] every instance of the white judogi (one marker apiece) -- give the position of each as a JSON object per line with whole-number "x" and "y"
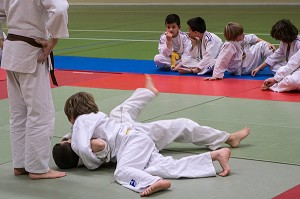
{"x": 281, "y": 56}
{"x": 240, "y": 58}
{"x": 130, "y": 143}
{"x": 288, "y": 76}
{"x": 32, "y": 114}
{"x": 204, "y": 54}
{"x": 180, "y": 44}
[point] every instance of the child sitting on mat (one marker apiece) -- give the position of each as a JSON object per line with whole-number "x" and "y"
{"x": 205, "y": 48}
{"x": 241, "y": 53}
{"x": 287, "y": 57}
{"x": 173, "y": 45}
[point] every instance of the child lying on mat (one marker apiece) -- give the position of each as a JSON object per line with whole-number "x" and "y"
{"x": 240, "y": 54}
{"x": 286, "y": 58}
{"x": 134, "y": 146}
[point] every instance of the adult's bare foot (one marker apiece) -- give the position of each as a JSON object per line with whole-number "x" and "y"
{"x": 20, "y": 171}
{"x": 150, "y": 85}
{"x": 222, "y": 156}
{"x": 157, "y": 186}
{"x": 235, "y": 138}
{"x": 51, "y": 174}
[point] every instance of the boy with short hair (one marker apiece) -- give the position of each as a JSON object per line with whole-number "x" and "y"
{"x": 173, "y": 45}
{"x": 205, "y": 48}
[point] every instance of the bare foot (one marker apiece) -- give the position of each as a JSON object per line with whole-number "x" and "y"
{"x": 157, "y": 186}
{"x": 222, "y": 156}
{"x": 20, "y": 171}
{"x": 49, "y": 175}
{"x": 234, "y": 139}
{"x": 150, "y": 85}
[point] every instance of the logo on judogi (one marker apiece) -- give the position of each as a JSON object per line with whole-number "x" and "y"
{"x": 133, "y": 183}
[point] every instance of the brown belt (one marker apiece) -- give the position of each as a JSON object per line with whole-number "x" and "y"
{"x": 31, "y": 41}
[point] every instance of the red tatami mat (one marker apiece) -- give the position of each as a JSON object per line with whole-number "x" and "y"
{"x": 293, "y": 193}
{"x": 2, "y": 74}
{"x": 63, "y": 78}
{"x": 237, "y": 88}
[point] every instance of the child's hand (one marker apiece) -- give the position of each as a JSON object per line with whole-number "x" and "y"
{"x": 270, "y": 82}
{"x": 1, "y": 43}
{"x": 212, "y": 78}
{"x": 97, "y": 145}
{"x": 169, "y": 36}
{"x": 271, "y": 46}
{"x": 194, "y": 40}
{"x": 254, "y": 72}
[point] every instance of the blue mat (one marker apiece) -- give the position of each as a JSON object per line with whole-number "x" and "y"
{"x": 129, "y": 66}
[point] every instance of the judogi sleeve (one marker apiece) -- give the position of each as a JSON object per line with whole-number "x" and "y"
{"x": 292, "y": 65}
{"x": 57, "y": 23}
{"x": 277, "y": 56}
{"x": 162, "y": 46}
{"x": 223, "y": 60}
{"x": 251, "y": 39}
{"x": 81, "y": 143}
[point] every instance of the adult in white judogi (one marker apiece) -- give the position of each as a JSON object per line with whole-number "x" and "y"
{"x": 32, "y": 113}
{"x": 204, "y": 54}
{"x": 181, "y": 44}
{"x": 287, "y": 78}
{"x": 240, "y": 58}
{"x": 138, "y": 162}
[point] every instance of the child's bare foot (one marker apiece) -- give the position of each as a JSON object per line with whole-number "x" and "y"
{"x": 235, "y": 139}
{"x": 49, "y": 175}
{"x": 150, "y": 85}
{"x": 157, "y": 186}
{"x": 222, "y": 156}
{"x": 20, "y": 171}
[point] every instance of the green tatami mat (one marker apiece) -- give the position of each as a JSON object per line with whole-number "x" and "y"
{"x": 248, "y": 180}
{"x": 107, "y": 99}
{"x": 274, "y": 132}
{"x": 274, "y": 126}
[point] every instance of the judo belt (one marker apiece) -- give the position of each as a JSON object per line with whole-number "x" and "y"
{"x": 13, "y": 37}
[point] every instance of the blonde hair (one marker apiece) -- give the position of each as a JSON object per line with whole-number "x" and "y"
{"x": 79, "y": 104}
{"x": 232, "y": 30}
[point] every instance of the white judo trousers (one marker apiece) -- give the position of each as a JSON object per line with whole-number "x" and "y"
{"x": 139, "y": 163}
{"x": 32, "y": 118}
{"x": 256, "y": 55}
{"x": 163, "y": 132}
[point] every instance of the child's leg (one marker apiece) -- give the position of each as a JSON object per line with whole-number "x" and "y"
{"x": 184, "y": 130}
{"x": 162, "y": 62}
{"x": 289, "y": 83}
{"x": 195, "y": 166}
{"x": 133, "y": 156}
{"x": 129, "y": 110}
{"x": 257, "y": 55}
